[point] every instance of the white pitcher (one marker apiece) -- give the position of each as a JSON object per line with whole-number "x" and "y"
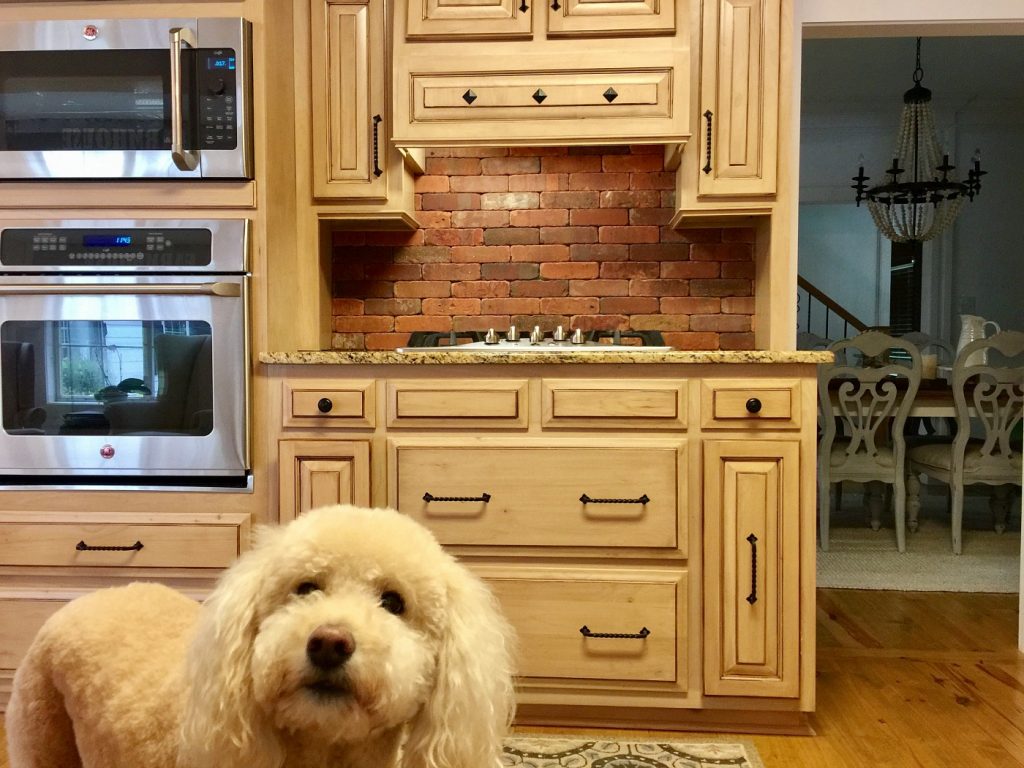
{"x": 972, "y": 328}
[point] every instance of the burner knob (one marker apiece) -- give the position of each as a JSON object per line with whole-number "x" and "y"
{"x": 559, "y": 334}
{"x": 513, "y": 333}
{"x": 577, "y": 336}
{"x": 536, "y": 335}
{"x": 491, "y": 337}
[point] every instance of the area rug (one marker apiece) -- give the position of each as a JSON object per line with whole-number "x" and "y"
{"x": 580, "y": 752}
{"x": 860, "y": 558}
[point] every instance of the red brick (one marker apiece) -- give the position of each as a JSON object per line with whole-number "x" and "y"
{"x": 599, "y": 252}
{"x": 678, "y": 305}
{"x": 659, "y": 252}
{"x": 451, "y": 271}
{"x": 569, "y": 270}
{"x": 701, "y": 235}
{"x": 481, "y": 289}
{"x": 509, "y": 306}
{"x": 660, "y": 322}
{"x": 571, "y": 164}
{"x": 479, "y": 322}
{"x": 720, "y": 287}
{"x": 392, "y": 306}
{"x": 570, "y": 200}
{"x": 363, "y": 323}
{"x": 506, "y": 166}
{"x": 434, "y": 219}
{"x": 539, "y": 182}
{"x": 738, "y": 306}
{"x": 692, "y": 340}
{"x": 722, "y": 252}
{"x": 736, "y": 341}
{"x": 432, "y": 184}
{"x": 634, "y": 163}
{"x": 738, "y": 269}
{"x": 628, "y": 234}
{"x": 479, "y": 183}
{"x": 668, "y": 198}
{"x": 421, "y": 289}
{"x": 537, "y": 151}
{"x": 480, "y": 253}
{"x": 395, "y": 238}
{"x": 595, "y": 217}
{"x": 348, "y": 341}
{"x": 739, "y": 235}
{"x": 454, "y": 236}
{"x": 512, "y": 235}
{"x": 548, "y": 322}
{"x": 386, "y": 340}
{"x": 507, "y": 201}
{"x": 550, "y": 217}
{"x": 683, "y": 270}
{"x": 570, "y": 306}
{"x": 538, "y": 288}
{"x": 619, "y": 270}
{"x": 485, "y": 219}
{"x": 599, "y": 288}
{"x": 392, "y": 271}
{"x": 451, "y": 306}
{"x": 540, "y": 252}
{"x": 423, "y": 323}
{"x": 364, "y": 289}
{"x": 520, "y": 271}
{"x": 347, "y": 306}
{"x": 599, "y": 181}
{"x": 477, "y": 152}
{"x": 733, "y": 323}
{"x": 642, "y": 287}
{"x": 448, "y": 166}
{"x": 600, "y": 322}
{"x": 655, "y": 216}
{"x": 450, "y": 201}
{"x": 669, "y": 235}
{"x": 659, "y": 181}
{"x": 568, "y": 235}
{"x": 643, "y": 198}
{"x": 647, "y": 149}
{"x": 629, "y": 305}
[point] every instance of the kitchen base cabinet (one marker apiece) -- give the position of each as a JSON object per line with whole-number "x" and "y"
{"x": 318, "y": 473}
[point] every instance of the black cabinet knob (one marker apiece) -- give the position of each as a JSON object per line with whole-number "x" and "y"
{"x": 753, "y": 405}
{"x": 324, "y": 405}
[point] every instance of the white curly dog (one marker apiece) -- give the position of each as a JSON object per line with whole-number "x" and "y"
{"x": 345, "y": 639}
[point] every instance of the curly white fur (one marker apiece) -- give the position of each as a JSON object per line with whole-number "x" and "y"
{"x": 140, "y": 677}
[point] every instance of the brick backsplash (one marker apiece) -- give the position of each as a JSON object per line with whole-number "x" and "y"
{"x": 531, "y": 236}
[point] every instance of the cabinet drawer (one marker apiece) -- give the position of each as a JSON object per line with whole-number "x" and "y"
{"x": 770, "y": 403}
{"x": 142, "y": 543}
{"x": 566, "y": 496}
{"x": 550, "y": 607}
{"x": 20, "y": 620}
{"x": 570, "y": 403}
{"x": 327, "y": 403}
{"x": 443, "y": 403}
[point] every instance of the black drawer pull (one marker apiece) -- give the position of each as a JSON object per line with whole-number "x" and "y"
{"x": 377, "y": 170}
{"x": 83, "y": 547}
{"x": 484, "y": 497}
{"x": 753, "y": 405}
{"x": 707, "y": 165}
{"x": 324, "y": 405}
{"x": 555, "y": 6}
{"x": 643, "y": 633}
{"x": 752, "y": 597}
{"x": 587, "y": 500}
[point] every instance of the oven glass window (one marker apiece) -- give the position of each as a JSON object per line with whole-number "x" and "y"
{"x": 96, "y": 100}
{"x": 112, "y": 377}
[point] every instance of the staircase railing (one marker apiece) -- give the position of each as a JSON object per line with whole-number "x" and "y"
{"x": 820, "y": 314}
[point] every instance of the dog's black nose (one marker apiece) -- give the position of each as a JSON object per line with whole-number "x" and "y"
{"x": 330, "y": 647}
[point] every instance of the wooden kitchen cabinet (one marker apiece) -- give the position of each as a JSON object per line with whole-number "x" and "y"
{"x": 317, "y": 473}
{"x": 469, "y": 19}
{"x": 610, "y": 17}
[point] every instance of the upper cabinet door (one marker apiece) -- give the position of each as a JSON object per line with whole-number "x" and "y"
{"x": 610, "y": 17}
{"x": 349, "y": 99}
{"x": 739, "y": 106}
{"x": 469, "y": 19}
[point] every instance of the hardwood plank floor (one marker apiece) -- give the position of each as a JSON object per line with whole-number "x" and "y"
{"x": 907, "y": 680}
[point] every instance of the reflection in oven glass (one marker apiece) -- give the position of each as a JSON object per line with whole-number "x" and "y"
{"x": 113, "y": 377}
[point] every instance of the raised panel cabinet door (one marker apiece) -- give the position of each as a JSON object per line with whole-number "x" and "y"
{"x": 317, "y": 473}
{"x": 611, "y": 17}
{"x": 469, "y": 19}
{"x": 739, "y": 103}
{"x": 349, "y": 99}
{"x": 751, "y": 578}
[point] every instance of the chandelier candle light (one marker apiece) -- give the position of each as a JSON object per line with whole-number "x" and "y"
{"x": 919, "y": 206}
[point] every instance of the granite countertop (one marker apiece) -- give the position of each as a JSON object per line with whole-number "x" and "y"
{"x": 442, "y": 356}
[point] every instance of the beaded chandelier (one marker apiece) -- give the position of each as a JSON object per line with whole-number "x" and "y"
{"x": 921, "y": 204}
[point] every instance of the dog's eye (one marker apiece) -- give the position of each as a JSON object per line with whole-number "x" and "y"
{"x": 306, "y": 587}
{"x": 392, "y": 602}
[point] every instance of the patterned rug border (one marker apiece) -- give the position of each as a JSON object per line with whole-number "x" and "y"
{"x": 670, "y": 737}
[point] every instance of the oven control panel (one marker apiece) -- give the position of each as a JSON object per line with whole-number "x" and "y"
{"x": 217, "y": 105}
{"x": 65, "y": 249}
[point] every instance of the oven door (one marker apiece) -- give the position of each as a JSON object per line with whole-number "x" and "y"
{"x": 136, "y": 376}
{"x": 132, "y": 98}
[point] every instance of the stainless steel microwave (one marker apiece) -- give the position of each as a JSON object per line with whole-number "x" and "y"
{"x": 126, "y": 99}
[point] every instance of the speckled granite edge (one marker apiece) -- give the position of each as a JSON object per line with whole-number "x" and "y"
{"x": 448, "y": 357}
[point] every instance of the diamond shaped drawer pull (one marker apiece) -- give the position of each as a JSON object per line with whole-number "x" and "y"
{"x": 469, "y": 97}
{"x": 611, "y": 94}
{"x": 539, "y": 95}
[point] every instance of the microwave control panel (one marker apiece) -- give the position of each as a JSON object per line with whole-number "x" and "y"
{"x": 218, "y": 105}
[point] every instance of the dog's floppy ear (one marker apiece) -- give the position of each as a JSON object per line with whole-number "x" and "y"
{"x": 463, "y": 722}
{"x": 222, "y": 723}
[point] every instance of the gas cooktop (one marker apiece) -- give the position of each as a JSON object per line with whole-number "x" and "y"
{"x": 537, "y": 341}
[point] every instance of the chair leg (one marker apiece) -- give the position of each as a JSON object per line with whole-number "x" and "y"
{"x": 839, "y": 495}
{"x": 874, "y": 499}
{"x": 957, "y": 522}
{"x": 899, "y": 505}
{"x": 824, "y": 506}
{"x": 999, "y": 503}
{"x": 913, "y": 500}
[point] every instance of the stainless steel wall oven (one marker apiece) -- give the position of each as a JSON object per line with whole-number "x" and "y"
{"x": 124, "y": 352}
{"x": 127, "y": 98}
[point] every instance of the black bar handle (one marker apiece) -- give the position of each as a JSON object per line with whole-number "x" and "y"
{"x": 484, "y": 497}
{"x": 752, "y": 597}
{"x": 708, "y": 115}
{"x": 377, "y": 170}
{"x": 324, "y": 405}
{"x": 642, "y": 500}
{"x": 643, "y": 633}
{"x": 83, "y": 547}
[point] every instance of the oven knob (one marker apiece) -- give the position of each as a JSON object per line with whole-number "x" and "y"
{"x": 90, "y": 32}
{"x": 324, "y": 405}
{"x": 216, "y": 86}
{"x": 107, "y": 451}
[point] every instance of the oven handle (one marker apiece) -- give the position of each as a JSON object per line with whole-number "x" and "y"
{"x": 184, "y": 159}
{"x": 178, "y": 289}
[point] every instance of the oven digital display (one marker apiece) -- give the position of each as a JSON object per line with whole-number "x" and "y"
{"x": 107, "y": 241}
{"x": 214, "y": 63}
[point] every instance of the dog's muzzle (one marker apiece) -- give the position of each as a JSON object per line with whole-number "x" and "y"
{"x": 329, "y": 647}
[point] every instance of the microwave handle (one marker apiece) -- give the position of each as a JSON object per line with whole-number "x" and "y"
{"x": 184, "y": 159}
{"x": 99, "y": 289}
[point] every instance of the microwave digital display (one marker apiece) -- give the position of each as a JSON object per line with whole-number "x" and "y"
{"x": 107, "y": 241}
{"x": 214, "y": 63}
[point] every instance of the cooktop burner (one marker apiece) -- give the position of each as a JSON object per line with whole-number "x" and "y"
{"x": 537, "y": 341}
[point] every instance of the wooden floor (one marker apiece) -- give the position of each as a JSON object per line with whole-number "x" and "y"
{"x": 920, "y": 680}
